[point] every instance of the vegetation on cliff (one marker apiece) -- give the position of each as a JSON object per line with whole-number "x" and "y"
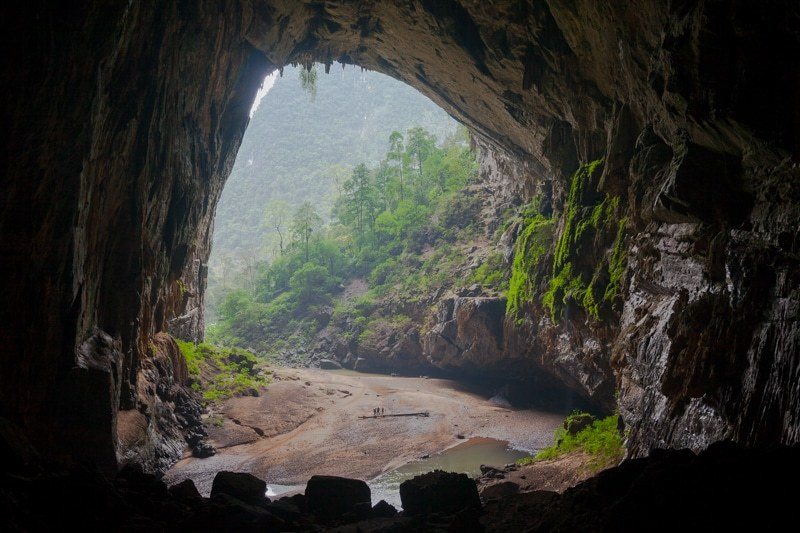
{"x": 589, "y": 221}
{"x": 396, "y": 227}
{"x": 533, "y": 244}
{"x": 219, "y": 373}
{"x": 584, "y": 271}
{"x": 297, "y": 149}
{"x": 601, "y": 439}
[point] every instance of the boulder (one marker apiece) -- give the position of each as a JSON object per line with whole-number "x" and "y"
{"x": 226, "y": 512}
{"x": 499, "y": 490}
{"x": 491, "y": 472}
{"x": 439, "y": 492}
{"x": 361, "y": 511}
{"x": 329, "y": 364}
{"x": 574, "y": 424}
{"x": 298, "y": 500}
{"x": 331, "y": 496}
{"x": 185, "y": 491}
{"x": 383, "y": 510}
{"x": 468, "y": 332}
{"x": 285, "y": 509}
{"x": 203, "y": 450}
{"x": 242, "y": 486}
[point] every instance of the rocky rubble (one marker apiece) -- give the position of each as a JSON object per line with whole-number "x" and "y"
{"x": 166, "y": 417}
{"x": 554, "y": 475}
{"x": 725, "y": 488}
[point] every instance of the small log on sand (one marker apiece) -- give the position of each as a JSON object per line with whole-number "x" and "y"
{"x": 421, "y": 413}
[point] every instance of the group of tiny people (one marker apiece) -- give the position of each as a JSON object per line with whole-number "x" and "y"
{"x": 378, "y": 411}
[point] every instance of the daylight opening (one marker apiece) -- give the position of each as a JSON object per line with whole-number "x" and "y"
{"x": 356, "y": 296}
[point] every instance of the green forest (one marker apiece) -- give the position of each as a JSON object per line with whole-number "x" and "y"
{"x": 301, "y": 146}
{"x": 392, "y": 226}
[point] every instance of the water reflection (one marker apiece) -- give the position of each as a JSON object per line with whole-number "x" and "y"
{"x": 466, "y": 458}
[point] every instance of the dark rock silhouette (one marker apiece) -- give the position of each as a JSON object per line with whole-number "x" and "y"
{"x": 439, "y": 492}
{"x": 242, "y": 486}
{"x": 330, "y": 497}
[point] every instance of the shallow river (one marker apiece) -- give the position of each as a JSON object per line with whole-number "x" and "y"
{"x": 466, "y": 458}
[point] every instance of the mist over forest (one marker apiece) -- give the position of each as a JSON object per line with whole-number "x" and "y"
{"x": 301, "y": 145}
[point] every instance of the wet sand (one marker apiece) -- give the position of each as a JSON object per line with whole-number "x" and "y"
{"x": 307, "y": 423}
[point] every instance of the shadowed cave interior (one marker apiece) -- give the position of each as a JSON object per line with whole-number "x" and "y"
{"x": 659, "y": 138}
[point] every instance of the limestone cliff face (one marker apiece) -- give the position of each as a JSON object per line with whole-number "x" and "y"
{"x": 123, "y": 120}
{"x": 166, "y": 418}
{"x": 123, "y": 123}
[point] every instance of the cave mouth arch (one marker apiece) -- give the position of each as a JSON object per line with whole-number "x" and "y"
{"x": 166, "y": 92}
{"x": 121, "y": 139}
{"x": 381, "y": 300}
{"x": 301, "y": 145}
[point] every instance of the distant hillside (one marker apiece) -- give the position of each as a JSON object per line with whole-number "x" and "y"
{"x": 297, "y": 147}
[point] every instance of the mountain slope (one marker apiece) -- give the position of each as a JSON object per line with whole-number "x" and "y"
{"x": 298, "y": 146}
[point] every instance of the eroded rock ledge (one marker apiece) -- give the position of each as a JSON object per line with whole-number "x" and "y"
{"x": 123, "y": 121}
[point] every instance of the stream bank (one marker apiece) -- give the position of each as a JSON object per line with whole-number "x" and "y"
{"x": 307, "y": 423}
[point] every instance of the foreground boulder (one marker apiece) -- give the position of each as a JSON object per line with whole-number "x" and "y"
{"x": 227, "y": 513}
{"x": 329, "y": 364}
{"x": 242, "y": 486}
{"x": 498, "y": 490}
{"x": 439, "y": 492}
{"x": 185, "y": 491}
{"x": 332, "y": 497}
{"x": 383, "y": 510}
{"x": 725, "y": 488}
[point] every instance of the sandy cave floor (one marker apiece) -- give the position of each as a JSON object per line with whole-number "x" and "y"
{"x": 307, "y": 423}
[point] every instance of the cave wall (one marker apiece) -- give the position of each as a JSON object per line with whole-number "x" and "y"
{"x": 124, "y": 120}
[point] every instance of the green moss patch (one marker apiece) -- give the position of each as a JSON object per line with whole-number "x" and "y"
{"x": 601, "y": 440}
{"x": 590, "y": 219}
{"x": 220, "y": 373}
{"x": 531, "y": 247}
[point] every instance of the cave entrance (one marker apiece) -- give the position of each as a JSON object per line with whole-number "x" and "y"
{"x": 353, "y": 223}
{"x": 342, "y": 190}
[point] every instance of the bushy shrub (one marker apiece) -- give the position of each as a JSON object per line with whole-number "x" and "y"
{"x": 601, "y": 440}
{"x": 220, "y": 373}
{"x": 492, "y": 273}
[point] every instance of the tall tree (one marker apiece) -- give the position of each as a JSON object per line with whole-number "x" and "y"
{"x": 276, "y": 217}
{"x": 421, "y": 145}
{"x": 383, "y": 178}
{"x": 306, "y": 220}
{"x": 396, "y": 155}
{"x": 358, "y": 199}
